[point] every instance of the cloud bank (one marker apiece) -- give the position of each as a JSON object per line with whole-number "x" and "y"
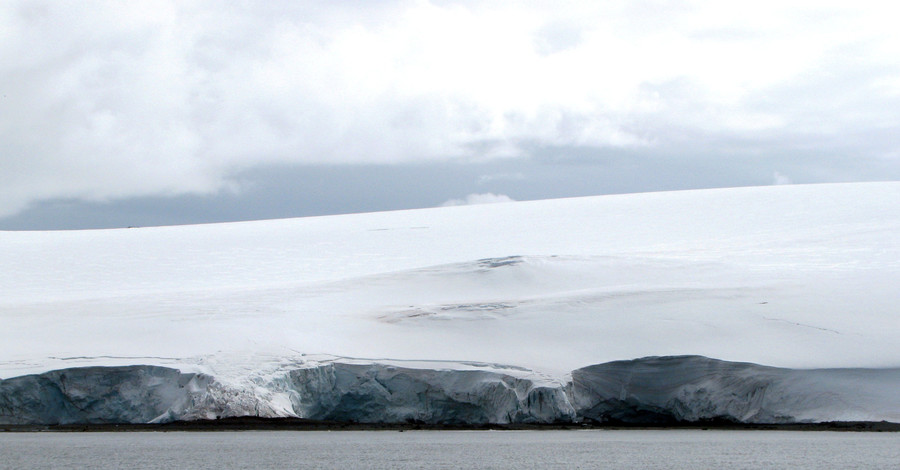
{"x": 478, "y": 198}
{"x": 780, "y": 179}
{"x": 111, "y": 100}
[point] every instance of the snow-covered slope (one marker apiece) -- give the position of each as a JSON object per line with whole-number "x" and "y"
{"x": 787, "y": 276}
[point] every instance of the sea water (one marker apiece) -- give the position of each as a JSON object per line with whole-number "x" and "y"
{"x": 670, "y": 449}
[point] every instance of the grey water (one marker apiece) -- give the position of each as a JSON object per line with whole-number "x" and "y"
{"x": 669, "y": 449}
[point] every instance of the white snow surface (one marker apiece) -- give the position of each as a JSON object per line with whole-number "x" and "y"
{"x": 797, "y": 276}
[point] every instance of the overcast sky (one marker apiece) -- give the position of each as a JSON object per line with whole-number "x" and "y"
{"x": 167, "y": 112}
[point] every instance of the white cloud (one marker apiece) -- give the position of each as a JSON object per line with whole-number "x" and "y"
{"x": 779, "y": 179}
{"x": 482, "y": 198}
{"x": 106, "y": 100}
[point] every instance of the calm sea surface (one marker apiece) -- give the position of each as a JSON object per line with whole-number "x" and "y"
{"x": 452, "y": 449}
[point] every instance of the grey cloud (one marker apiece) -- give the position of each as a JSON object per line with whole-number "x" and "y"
{"x": 292, "y": 191}
{"x": 490, "y": 178}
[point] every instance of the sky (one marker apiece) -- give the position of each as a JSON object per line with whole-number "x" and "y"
{"x": 139, "y": 113}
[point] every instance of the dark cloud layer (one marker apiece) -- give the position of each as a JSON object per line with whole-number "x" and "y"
{"x": 295, "y": 191}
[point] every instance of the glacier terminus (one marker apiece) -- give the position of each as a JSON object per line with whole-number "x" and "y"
{"x": 753, "y": 305}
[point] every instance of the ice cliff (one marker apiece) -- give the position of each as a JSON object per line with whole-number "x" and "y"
{"x": 692, "y": 388}
{"x": 654, "y": 389}
{"x": 379, "y": 393}
{"x": 130, "y": 394}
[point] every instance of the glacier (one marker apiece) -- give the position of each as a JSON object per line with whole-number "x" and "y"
{"x": 522, "y": 312}
{"x": 653, "y": 390}
{"x": 696, "y": 388}
{"x": 132, "y": 394}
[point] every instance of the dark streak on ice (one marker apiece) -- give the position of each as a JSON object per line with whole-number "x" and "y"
{"x": 491, "y": 263}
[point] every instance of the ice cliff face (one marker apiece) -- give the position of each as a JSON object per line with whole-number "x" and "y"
{"x": 692, "y": 388}
{"x": 377, "y": 393}
{"x": 131, "y": 394}
{"x": 333, "y": 391}
{"x": 655, "y": 389}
